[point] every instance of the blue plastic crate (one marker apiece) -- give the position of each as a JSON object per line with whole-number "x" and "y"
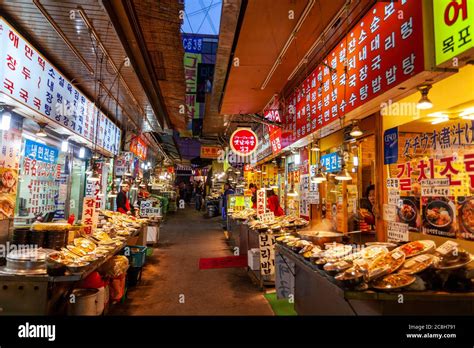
{"x": 136, "y": 255}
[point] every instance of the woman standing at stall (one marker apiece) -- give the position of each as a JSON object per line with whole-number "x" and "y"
{"x": 123, "y": 203}
{"x": 273, "y": 203}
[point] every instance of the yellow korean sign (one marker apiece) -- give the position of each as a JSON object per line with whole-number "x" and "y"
{"x": 454, "y": 28}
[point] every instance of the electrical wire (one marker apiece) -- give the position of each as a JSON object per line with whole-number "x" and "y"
{"x": 205, "y": 16}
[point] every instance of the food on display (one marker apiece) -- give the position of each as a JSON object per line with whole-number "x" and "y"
{"x": 85, "y": 244}
{"x": 455, "y": 258}
{"x": 417, "y": 247}
{"x": 338, "y": 251}
{"x": 7, "y": 207}
{"x": 417, "y": 264}
{"x": 386, "y": 264}
{"x": 369, "y": 253}
{"x": 244, "y": 214}
{"x": 388, "y": 245}
{"x": 351, "y": 277}
{"x": 393, "y": 281}
{"x": 333, "y": 268}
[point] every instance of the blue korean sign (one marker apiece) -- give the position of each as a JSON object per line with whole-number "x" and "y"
{"x": 332, "y": 162}
{"x": 41, "y": 152}
{"x": 192, "y": 44}
{"x": 390, "y": 148}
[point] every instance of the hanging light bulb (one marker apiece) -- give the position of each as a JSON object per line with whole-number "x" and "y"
{"x": 82, "y": 152}
{"x": 343, "y": 175}
{"x": 356, "y": 131}
{"x": 42, "y": 130}
{"x": 96, "y": 155}
{"x": 424, "y": 103}
{"x": 6, "y": 121}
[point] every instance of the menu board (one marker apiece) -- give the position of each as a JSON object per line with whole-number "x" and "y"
{"x": 274, "y": 131}
{"x": 40, "y": 179}
{"x": 27, "y": 77}
{"x": 10, "y": 143}
{"x": 435, "y": 180}
{"x": 383, "y": 50}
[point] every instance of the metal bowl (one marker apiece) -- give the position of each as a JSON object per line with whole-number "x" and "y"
{"x": 78, "y": 267}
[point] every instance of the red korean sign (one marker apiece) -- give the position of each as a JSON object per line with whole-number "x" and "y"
{"x": 138, "y": 147}
{"x": 383, "y": 50}
{"x": 274, "y": 131}
{"x": 243, "y": 141}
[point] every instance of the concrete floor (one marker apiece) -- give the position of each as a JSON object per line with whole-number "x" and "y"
{"x": 172, "y": 283}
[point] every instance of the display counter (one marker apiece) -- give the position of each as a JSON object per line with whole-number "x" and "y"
{"x": 317, "y": 293}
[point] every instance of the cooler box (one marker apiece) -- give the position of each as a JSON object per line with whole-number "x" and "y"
{"x": 253, "y": 257}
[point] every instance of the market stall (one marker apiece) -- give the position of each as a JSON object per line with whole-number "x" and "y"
{"x": 38, "y": 281}
{"x": 416, "y": 278}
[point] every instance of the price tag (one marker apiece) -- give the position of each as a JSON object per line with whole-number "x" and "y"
{"x": 267, "y": 217}
{"x": 396, "y": 255}
{"x": 421, "y": 258}
{"x": 447, "y": 247}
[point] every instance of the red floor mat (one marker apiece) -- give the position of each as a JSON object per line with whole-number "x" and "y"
{"x": 223, "y": 262}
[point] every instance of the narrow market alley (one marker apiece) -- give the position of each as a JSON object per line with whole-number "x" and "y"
{"x": 172, "y": 283}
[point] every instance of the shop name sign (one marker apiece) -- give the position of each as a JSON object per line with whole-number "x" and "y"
{"x": 243, "y": 141}
{"x": 40, "y": 152}
{"x": 192, "y": 44}
{"x": 138, "y": 147}
{"x": 331, "y": 162}
{"x": 28, "y": 78}
{"x": 212, "y": 152}
{"x": 383, "y": 50}
{"x": 453, "y": 26}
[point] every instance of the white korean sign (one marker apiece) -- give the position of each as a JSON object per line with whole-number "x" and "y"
{"x": 303, "y": 197}
{"x": 435, "y": 187}
{"x": 394, "y": 197}
{"x": 147, "y": 209}
{"x": 27, "y": 77}
{"x": 267, "y": 253}
{"x": 389, "y": 212}
{"x": 397, "y": 231}
{"x": 393, "y": 183}
{"x": 267, "y": 217}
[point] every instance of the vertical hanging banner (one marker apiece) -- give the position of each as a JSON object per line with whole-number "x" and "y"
{"x": 261, "y": 202}
{"x": 89, "y": 214}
